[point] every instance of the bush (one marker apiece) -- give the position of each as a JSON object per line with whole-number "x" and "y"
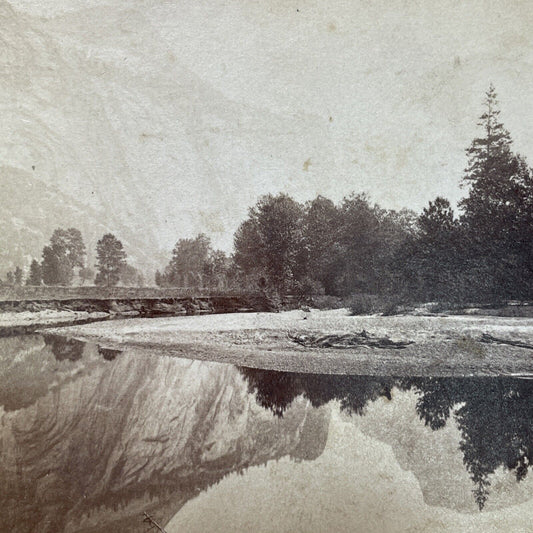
{"x": 368, "y": 304}
{"x": 363, "y": 304}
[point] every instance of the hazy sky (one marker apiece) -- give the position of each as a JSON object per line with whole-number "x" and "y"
{"x": 365, "y": 95}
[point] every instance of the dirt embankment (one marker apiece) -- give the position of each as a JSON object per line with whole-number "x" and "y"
{"x": 26, "y": 316}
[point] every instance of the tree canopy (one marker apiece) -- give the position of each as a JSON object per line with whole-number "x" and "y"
{"x": 111, "y": 259}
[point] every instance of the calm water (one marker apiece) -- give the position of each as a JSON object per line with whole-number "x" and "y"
{"x": 91, "y": 438}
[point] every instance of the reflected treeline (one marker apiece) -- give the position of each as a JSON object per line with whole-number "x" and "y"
{"x": 65, "y": 348}
{"x": 276, "y": 390}
{"x": 494, "y": 415}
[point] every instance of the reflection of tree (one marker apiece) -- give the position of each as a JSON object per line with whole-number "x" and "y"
{"x": 64, "y": 348}
{"x": 494, "y": 415}
{"x": 276, "y": 390}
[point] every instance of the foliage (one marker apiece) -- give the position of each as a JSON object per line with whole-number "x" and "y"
{"x": 130, "y": 276}
{"x": 111, "y": 259}
{"x": 195, "y": 263}
{"x": 35, "y": 277}
{"x": 86, "y": 274}
{"x": 65, "y": 252}
{"x": 269, "y": 242}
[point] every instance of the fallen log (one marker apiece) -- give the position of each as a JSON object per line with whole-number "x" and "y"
{"x": 489, "y": 339}
{"x": 347, "y": 340}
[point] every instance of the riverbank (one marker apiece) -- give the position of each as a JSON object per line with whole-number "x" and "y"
{"x": 433, "y": 345}
{"x": 26, "y": 322}
{"x": 25, "y": 316}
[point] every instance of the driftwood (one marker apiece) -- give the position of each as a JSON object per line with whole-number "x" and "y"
{"x": 489, "y": 339}
{"x": 153, "y": 524}
{"x": 348, "y": 340}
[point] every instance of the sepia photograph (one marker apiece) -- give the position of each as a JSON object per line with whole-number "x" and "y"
{"x": 266, "y": 266}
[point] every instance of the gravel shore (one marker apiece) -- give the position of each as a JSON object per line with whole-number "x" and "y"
{"x": 440, "y": 345}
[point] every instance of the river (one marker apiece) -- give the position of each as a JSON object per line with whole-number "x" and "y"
{"x": 92, "y": 438}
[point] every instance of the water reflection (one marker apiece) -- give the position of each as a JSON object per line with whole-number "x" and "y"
{"x": 64, "y": 348}
{"x": 101, "y": 441}
{"x": 92, "y": 437}
{"x": 494, "y": 415}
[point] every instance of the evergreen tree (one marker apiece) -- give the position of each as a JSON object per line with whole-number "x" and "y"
{"x": 17, "y": 276}
{"x": 35, "y": 276}
{"x": 111, "y": 258}
{"x": 496, "y": 210}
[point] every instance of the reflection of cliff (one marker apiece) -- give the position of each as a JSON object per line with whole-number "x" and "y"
{"x": 138, "y": 433}
{"x": 494, "y": 415}
{"x": 29, "y": 368}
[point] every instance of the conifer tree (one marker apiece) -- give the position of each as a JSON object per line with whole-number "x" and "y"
{"x": 35, "y": 276}
{"x": 111, "y": 258}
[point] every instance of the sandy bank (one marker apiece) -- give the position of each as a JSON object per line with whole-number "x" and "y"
{"x": 442, "y": 346}
{"x": 17, "y": 323}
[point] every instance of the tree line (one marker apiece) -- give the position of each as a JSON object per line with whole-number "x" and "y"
{"x": 483, "y": 253}
{"x": 355, "y": 247}
{"x": 64, "y": 259}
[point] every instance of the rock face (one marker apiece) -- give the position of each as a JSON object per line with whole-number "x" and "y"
{"x": 106, "y": 440}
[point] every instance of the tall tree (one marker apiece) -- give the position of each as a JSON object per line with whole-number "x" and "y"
{"x": 321, "y": 225}
{"x": 56, "y": 268}
{"x": 65, "y": 252}
{"x": 431, "y": 263}
{"x": 269, "y": 242}
{"x": 216, "y": 269}
{"x": 17, "y": 276}
{"x": 495, "y": 211}
{"x": 71, "y": 242}
{"x": 359, "y": 240}
{"x": 111, "y": 258}
{"x": 35, "y": 276}
{"x": 188, "y": 263}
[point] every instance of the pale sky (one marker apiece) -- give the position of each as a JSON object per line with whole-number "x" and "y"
{"x": 212, "y": 103}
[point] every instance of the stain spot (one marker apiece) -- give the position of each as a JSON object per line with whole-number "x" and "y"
{"x": 331, "y": 119}
{"x": 33, "y": 167}
{"x": 332, "y": 27}
{"x": 306, "y": 165}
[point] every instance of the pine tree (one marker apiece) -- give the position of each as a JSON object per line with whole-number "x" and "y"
{"x": 495, "y": 220}
{"x": 492, "y": 170}
{"x": 17, "y": 276}
{"x": 111, "y": 258}
{"x": 35, "y": 276}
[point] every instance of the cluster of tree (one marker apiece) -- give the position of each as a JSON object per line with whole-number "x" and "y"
{"x": 353, "y": 247}
{"x": 487, "y": 252}
{"x": 320, "y": 246}
{"x": 65, "y": 256}
{"x": 195, "y": 263}
{"x": 356, "y": 247}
